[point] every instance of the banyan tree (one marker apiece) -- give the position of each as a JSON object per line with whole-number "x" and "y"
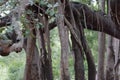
{"x": 71, "y": 18}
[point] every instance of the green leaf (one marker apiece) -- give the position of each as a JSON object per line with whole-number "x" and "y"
{"x": 27, "y": 33}
{"x": 39, "y": 25}
{"x": 49, "y": 5}
{"x": 50, "y": 12}
{"x": 2, "y": 29}
{"x": 43, "y": 2}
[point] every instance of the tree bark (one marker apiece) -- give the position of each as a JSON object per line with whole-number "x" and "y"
{"x": 101, "y": 48}
{"x": 116, "y": 47}
{"x": 63, "y": 33}
{"x": 76, "y": 45}
{"x": 110, "y": 54}
{"x": 32, "y": 60}
{"x": 48, "y": 49}
{"x": 101, "y": 56}
{"x": 110, "y": 60}
{"x": 32, "y": 69}
{"x": 45, "y": 67}
{"x": 82, "y": 41}
{"x": 79, "y": 63}
{"x": 92, "y": 18}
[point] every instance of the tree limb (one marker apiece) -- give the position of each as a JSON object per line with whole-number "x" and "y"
{"x": 90, "y": 20}
{"x": 95, "y": 21}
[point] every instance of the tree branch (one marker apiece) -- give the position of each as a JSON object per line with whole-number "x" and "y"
{"x": 90, "y": 20}
{"x": 94, "y": 20}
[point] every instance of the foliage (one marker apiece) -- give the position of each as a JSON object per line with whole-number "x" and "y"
{"x": 55, "y": 44}
{"x": 92, "y": 42}
{"x": 12, "y": 67}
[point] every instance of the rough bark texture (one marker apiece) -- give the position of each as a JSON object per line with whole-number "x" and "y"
{"x": 79, "y": 62}
{"x": 46, "y": 73}
{"x": 37, "y": 67}
{"x": 115, "y": 12}
{"x": 47, "y": 36}
{"x": 101, "y": 48}
{"x": 96, "y": 21}
{"x": 89, "y": 56}
{"x": 86, "y": 49}
{"x": 116, "y": 47}
{"x": 63, "y": 33}
{"x": 110, "y": 54}
{"x": 76, "y": 45}
{"x": 116, "y": 18}
{"x": 110, "y": 60}
{"x": 44, "y": 47}
{"x": 101, "y": 56}
{"x": 32, "y": 70}
{"x": 64, "y": 56}
{"x": 82, "y": 41}
{"x": 32, "y": 61}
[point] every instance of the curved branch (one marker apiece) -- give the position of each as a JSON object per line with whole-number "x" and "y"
{"x": 90, "y": 20}
{"x": 94, "y": 20}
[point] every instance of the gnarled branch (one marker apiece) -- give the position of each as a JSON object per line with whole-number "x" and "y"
{"x": 90, "y": 19}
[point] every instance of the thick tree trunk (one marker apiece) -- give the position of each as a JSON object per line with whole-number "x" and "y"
{"x": 86, "y": 49}
{"x": 110, "y": 60}
{"x": 79, "y": 63}
{"x": 34, "y": 66}
{"x": 110, "y": 54}
{"x": 63, "y": 33}
{"x": 45, "y": 72}
{"x": 101, "y": 56}
{"x": 48, "y": 49}
{"x": 64, "y": 54}
{"x": 82, "y": 41}
{"x": 89, "y": 57}
{"x": 77, "y": 48}
{"x": 32, "y": 61}
{"x": 101, "y": 48}
{"x": 45, "y": 64}
{"x": 116, "y": 46}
